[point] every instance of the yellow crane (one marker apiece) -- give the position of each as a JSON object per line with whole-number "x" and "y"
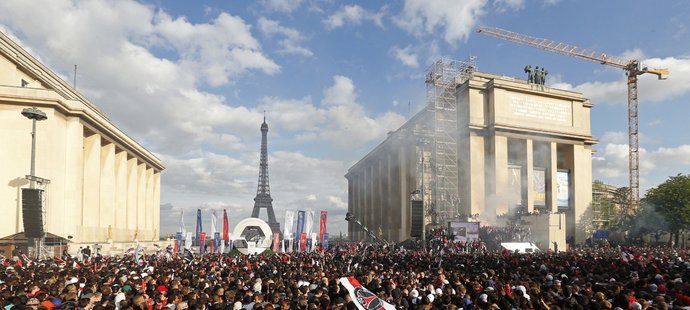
{"x": 632, "y": 70}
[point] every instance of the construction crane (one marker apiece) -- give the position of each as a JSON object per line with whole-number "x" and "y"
{"x": 632, "y": 70}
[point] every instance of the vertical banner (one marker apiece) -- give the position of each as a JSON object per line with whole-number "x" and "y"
{"x": 214, "y": 224}
{"x": 300, "y": 224}
{"x": 322, "y": 224}
{"x": 562, "y": 184}
{"x": 276, "y": 242}
{"x": 302, "y": 241}
{"x": 202, "y": 242}
{"x": 289, "y": 221}
{"x": 188, "y": 241}
{"x": 199, "y": 227}
{"x": 515, "y": 186}
{"x": 313, "y": 242}
{"x": 309, "y": 222}
{"x": 182, "y": 228}
{"x": 539, "y": 186}
{"x": 325, "y": 242}
{"x": 226, "y": 227}
{"x": 178, "y": 242}
{"x": 216, "y": 241}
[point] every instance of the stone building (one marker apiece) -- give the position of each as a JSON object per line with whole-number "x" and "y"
{"x": 519, "y": 148}
{"x": 104, "y": 186}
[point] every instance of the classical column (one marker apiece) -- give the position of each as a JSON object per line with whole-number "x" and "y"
{"x": 148, "y": 211}
{"x": 92, "y": 180}
{"x": 386, "y": 207}
{"x": 582, "y": 188}
{"x": 132, "y": 181}
{"x": 499, "y": 158}
{"x": 350, "y": 204}
{"x": 108, "y": 189}
{"x": 141, "y": 201}
{"x": 71, "y": 215}
{"x": 551, "y": 178}
{"x": 529, "y": 167}
{"x": 120, "y": 213}
{"x": 156, "y": 204}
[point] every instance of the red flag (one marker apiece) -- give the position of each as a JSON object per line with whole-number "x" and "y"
{"x": 226, "y": 237}
{"x": 322, "y": 224}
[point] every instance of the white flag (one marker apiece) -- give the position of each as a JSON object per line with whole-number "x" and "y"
{"x": 214, "y": 223}
{"x": 309, "y": 222}
{"x": 289, "y": 221}
{"x": 182, "y": 228}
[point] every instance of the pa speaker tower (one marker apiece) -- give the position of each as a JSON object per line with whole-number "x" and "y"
{"x": 417, "y": 218}
{"x": 32, "y": 211}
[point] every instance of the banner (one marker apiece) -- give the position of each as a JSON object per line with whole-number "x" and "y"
{"x": 198, "y": 224}
{"x": 514, "y": 186}
{"x": 276, "y": 242}
{"x": 309, "y": 222}
{"x": 322, "y": 224}
{"x": 362, "y": 297}
{"x": 214, "y": 223}
{"x": 303, "y": 242}
{"x": 226, "y": 227}
{"x": 188, "y": 241}
{"x": 202, "y": 242}
{"x": 300, "y": 224}
{"x": 539, "y": 186}
{"x": 562, "y": 184}
{"x": 216, "y": 242}
{"x": 312, "y": 242}
{"x": 464, "y": 231}
{"x": 289, "y": 221}
{"x": 182, "y": 228}
{"x": 325, "y": 242}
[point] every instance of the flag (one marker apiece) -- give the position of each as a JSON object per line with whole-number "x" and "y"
{"x": 202, "y": 242}
{"x": 362, "y": 297}
{"x": 226, "y": 237}
{"x": 303, "y": 242}
{"x": 188, "y": 241}
{"x": 183, "y": 229}
{"x": 289, "y": 221}
{"x": 325, "y": 241}
{"x": 300, "y": 224}
{"x": 199, "y": 227}
{"x": 136, "y": 255}
{"x": 322, "y": 224}
{"x": 309, "y": 222}
{"x": 214, "y": 223}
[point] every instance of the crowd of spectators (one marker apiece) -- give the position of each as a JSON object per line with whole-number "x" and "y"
{"x": 582, "y": 278}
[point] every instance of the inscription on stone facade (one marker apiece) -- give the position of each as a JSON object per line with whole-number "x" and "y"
{"x": 543, "y": 110}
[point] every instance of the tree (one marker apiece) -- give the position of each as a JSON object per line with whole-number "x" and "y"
{"x": 672, "y": 200}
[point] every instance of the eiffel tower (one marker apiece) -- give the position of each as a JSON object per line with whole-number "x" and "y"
{"x": 263, "y": 198}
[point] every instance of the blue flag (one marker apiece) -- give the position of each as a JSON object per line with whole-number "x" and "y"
{"x": 198, "y": 224}
{"x": 300, "y": 224}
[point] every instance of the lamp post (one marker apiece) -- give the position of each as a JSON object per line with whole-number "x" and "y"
{"x": 34, "y": 115}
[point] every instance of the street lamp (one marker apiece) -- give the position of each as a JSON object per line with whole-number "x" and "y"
{"x": 34, "y": 115}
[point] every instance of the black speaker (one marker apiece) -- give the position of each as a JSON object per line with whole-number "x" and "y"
{"x": 417, "y": 217}
{"x": 32, "y": 211}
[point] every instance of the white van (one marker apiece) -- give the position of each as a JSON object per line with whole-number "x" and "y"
{"x": 520, "y": 247}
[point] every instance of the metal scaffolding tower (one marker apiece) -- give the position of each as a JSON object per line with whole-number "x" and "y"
{"x": 442, "y": 78}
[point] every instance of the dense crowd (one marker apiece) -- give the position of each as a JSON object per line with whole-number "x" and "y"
{"x": 433, "y": 278}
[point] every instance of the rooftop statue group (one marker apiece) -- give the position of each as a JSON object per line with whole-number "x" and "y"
{"x": 536, "y": 75}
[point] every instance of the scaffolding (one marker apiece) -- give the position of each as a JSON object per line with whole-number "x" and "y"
{"x": 439, "y": 140}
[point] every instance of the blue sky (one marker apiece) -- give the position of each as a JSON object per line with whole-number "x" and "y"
{"x": 190, "y": 80}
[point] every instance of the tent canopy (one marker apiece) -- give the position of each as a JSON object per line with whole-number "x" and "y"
{"x": 21, "y": 239}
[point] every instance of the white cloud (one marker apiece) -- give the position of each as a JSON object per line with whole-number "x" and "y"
{"x": 291, "y": 43}
{"x": 611, "y": 164}
{"x": 354, "y": 14}
{"x": 406, "y": 55}
{"x": 455, "y": 19}
{"x": 650, "y": 88}
{"x": 154, "y": 98}
{"x": 504, "y": 5}
{"x": 286, "y": 6}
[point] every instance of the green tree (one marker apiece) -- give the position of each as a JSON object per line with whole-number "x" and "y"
{"x": 672, "y": 200}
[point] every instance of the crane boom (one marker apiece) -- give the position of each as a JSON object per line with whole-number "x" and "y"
{"x": 632, "y": 68}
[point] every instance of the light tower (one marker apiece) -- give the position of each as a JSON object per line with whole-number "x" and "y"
{"x": 32, "y": 198}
